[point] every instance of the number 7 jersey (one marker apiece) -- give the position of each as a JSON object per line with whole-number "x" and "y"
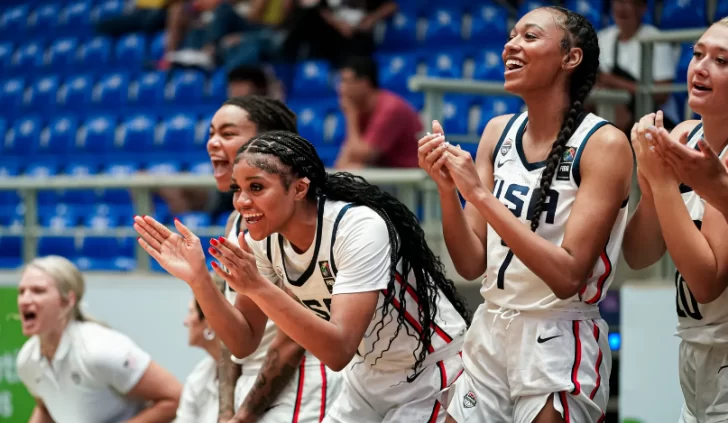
{"x": 509, "y": 283}
{"x": 700, "y": 323}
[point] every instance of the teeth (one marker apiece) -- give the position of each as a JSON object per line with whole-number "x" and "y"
{"x": 252, "y": 215}
{"x": 511, "y": 63}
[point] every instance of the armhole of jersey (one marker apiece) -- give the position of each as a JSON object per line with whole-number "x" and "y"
{"x": 268, "y": 248}
{"x": 575, "y": 168}
{"x": 342, "y": 212}
{"x": 503, "y": 136}
{"x": 695, "y": 131}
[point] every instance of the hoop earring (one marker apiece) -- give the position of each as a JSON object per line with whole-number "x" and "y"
{"x": 208, "y": 334}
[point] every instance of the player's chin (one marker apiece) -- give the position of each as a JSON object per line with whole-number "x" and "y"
{"x": 258, "y": 232}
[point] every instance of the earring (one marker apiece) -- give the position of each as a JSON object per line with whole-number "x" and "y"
{"x": 208, "y": 334}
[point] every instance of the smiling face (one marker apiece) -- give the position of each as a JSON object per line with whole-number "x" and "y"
{"x": 229, "y": 130}
{"x": 708, "y": 72}
{"x": 40, "y": 303}
{"x": 265, "y": 193}
{"x": 534, "y": 54}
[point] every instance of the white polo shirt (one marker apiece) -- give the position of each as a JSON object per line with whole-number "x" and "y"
{"x": 93, "y": 369}
{"x": 630, "y": 53}
{"x": 199, "y": 401}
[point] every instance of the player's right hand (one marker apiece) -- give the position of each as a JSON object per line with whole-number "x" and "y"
{"x": 431, "y": 159}
{"x": 179, "y": 254}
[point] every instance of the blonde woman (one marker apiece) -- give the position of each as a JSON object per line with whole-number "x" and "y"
{"x": 200, "y": 399}
{"x": 78, "y": 370}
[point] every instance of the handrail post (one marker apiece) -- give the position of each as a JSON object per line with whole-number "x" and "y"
{"x": 142, "y": 198}
{"x": 30, "y": 226}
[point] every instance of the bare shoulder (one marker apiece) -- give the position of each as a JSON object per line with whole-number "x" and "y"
{"x": 492, "y": 133}
{"x": 686, "y": 126}
{"x": 608, "y": 151}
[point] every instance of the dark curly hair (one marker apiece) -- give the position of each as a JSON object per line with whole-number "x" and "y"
{"x": 578, "y": 32}
{"x": 268, "y": 114}
{"x": 406, "y": 237}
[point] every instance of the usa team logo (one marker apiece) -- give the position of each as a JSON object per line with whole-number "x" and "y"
{"x": 325, "y": 269}
{"x": 469, "y": 400}
{"x": 506, "y": 147}
{"x": 569, "y": 155}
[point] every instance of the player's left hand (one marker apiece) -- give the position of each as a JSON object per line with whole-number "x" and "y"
{"x": 462, "y": 170}
{"x": 650, "y": 164}
{"x": 242, "y": 272}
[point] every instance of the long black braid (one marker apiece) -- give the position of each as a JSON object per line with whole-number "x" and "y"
{"x": 579, "y": 33}
{"x": 267, "y": 113}
{"x": 406, "y": 237}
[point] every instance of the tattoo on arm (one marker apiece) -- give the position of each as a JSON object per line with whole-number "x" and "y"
{"x": 277, "y": 371}
{"x": 228, "y": 373}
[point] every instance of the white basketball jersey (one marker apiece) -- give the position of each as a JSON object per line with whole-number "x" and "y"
{"x": 699, "y": 323}
{"x": 509, "y": 283}
{"x": 313, "y": 280}
{"x": 254, "y": 362}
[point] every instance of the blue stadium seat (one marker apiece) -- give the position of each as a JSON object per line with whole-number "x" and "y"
{"x": 395, "y": 70}
{"x": 109, "y": 8}
{"x": 149, "y": 89}
{"x": 200, "y": 167}
{"x": 11, "y": 94}
{"x": 45, "y": 18}
{"x": 14, "y": 21}
{"x": 44, "y": 93}
{"x": 195, "y": 220}
{"x": 164, "y": 167}
{"x": 138, "y": 134}
{"x": 156, "y": 51}
{"x": 187, "y": 86}
{"x": 686, "y": 56}
{"x": 28, "y": 56}
{"x": 23, "y": 136}
{"x": 312, "y": 79}
{"x": 456, "y": 112}
{"x": 95, "y": 53}
{"x": 335, "y": 128}
{"x": 11, "y": 252}
{"x": 41, "y": 169}
{"x": 218, "y": 86}
{"x": 107, "y": 253}
{"x": 77, "y": 92}
{"x": 528, "y": 6}
{"x": 310, "y": 122}
{"x": 113, "y": 90}
{"x": 445, "y": 64}
{"x": 490, "y": 22}
{"x": 6, "y": 55}
{"x": 678, "y": 14}
{"x": 178, "y": 132}
{"x": 59, "y": 246}
{"x": 493, "y": 106}
{"x": 59, "y": 137}
{"x": 489, "y": 64}
{"x": 79, "y": 169}
{"x": 444, "y": 26}
{"x": 96, "y": 136}
{"x": 590, "y": 9}
{"x": 721, "y": 11}
{"x": 401, "y": 32}
{"x": 131, "y": 50}
{"x": 62, "y": 54}
{"x": 57, "y": 215}
{"x": 76, "y": 17}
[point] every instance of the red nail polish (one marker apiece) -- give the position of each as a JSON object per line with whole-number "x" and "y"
{"x": 213, "y": 264}
{"x": 213, "y": 241}
{"x": 221, "y": 239}
{"x": 211, "y": 250}
{"x": 176, "y": 220}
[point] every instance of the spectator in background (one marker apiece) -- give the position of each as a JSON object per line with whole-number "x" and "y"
{"x": 142, "y": 16}
{"x": 335, "y": 29}
{"x": 621, "y": 61}
{"x": 382, "y": 129}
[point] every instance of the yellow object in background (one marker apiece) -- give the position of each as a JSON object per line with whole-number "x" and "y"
{"x": 150, "y": 4}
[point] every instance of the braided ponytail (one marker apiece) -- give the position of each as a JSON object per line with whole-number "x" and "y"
{"x": 579, "y": 33}
{"x": 406, "y": 237}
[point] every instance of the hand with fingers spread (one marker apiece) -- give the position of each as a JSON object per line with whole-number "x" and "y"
{"x": 242, "y": 271}
{"x": 431, "y": 157}
{"x": 179, "y": 254}
{"x": 462, "y": 170}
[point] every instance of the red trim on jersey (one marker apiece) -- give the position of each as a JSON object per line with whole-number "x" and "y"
{"x": 577, "y": 359}
{"x": 599, "y": 362}
{"x": 322, "y": 413}
{"x": 299, "y": 394}
{"x": 408, "y": 317}
{"x": 603, "y": 278}
{"x": 565, "y": 405}
{"x": 443, "y": 385}
{"x": 411, "y": 290}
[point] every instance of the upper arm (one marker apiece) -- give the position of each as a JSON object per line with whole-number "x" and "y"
{"x": 682, "y": 127}
{"x": 605, "y": 179}
{"x": 156, "y": 384}
{"x": 492, "y": 137}
{"x": 715, "y": 231}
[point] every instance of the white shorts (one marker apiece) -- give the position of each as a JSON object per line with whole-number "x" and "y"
{"x": 704, "y": 382}
{"x": 512, "y": 366}
{"x": 371, "y": 396}
{"x": 307, "y": 397}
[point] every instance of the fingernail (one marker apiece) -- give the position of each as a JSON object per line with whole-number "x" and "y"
{"x": 211, "y": 250}
{"x": 213, "y": 264}
{"x": 176, "y": 220}
{"x": 221, "y": 239}
{"x": 649, "y": 137}
{"x": 213, "y": 241}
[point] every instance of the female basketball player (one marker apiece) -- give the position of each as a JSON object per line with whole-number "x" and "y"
{"x": 672, "y": 216}
{"x": 356, "y": 259}
{"x": 269, "y": 383}
{"x": 78, "y": 370}
{"x": 544, "y": 220}
{"x": 199, "y": 400}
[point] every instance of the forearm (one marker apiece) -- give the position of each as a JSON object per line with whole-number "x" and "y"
{"x": 226, "y": 320}
{"x": 228, "y": 373}
{"x": 689, "y": 249}
{"x": 382, "y": 12}
{"x": 551, "y": 263}
{"x": 466, "y": 250}
{"x": 162, "y": 411}
{"x": 40, "y": 415}
{"x": 643, "y": 244}
{"x": 311, "y": 332}
{"x": 281, "y": 363}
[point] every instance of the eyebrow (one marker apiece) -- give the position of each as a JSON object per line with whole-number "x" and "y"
{"x": 223, "y": 126}
{"x": 529, "y": 26}
{"x": 702, "y": 45}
